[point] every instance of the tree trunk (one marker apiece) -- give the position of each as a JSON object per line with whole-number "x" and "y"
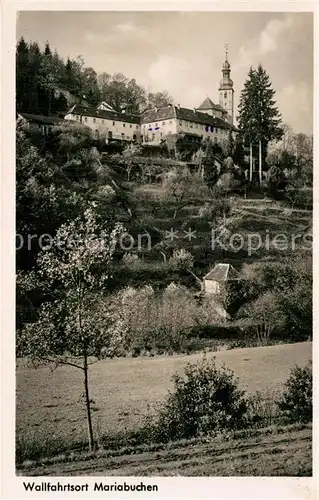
{"x": 88, "y": 402}
{"x": 260, "y": 163}
{"x": 250, "y": 162}
{"x": 164, "y": 257}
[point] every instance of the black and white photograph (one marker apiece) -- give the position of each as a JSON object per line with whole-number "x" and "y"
{"x": 163, "y": 246}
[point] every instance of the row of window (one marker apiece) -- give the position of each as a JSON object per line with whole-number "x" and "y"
{"x": 96, "y": 120}
{"x": 207, "y": 128}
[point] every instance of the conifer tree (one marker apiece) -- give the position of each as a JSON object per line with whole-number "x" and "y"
{"x": 22, "y": 68}
{"x": 259, "y": 119}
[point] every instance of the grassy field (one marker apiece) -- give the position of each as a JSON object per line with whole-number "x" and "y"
{"x": 283, "y": 451}
{"x": 50, "y": 404}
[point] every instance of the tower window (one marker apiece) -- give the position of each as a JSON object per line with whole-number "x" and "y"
{"x": 225, "y": 94}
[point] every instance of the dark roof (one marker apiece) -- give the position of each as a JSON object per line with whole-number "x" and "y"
{"x": 109, "y": 115}
{"x": 208, "y": 104}
{"x": 41, "y": 119}
{"x": 191, "y": 115}
{"x": 152, "y": 115}
{"x": 222, "y": 272}
{"x": 199, "y": 117}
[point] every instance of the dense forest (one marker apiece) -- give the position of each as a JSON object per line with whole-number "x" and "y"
{"x": 48, "y": 85}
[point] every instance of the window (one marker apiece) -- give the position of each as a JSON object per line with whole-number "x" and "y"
{"x": 109, "y": 134}
{"x": 130, "y": 126}
{"x": 134, "y": 137}
{"x": 180, "y": 122}
{"x": 191, "y": 125}
{"x": 94, "y": 120}
{"x": 153, "y": 137}
{"x": 225, "y": 95}
{"x": 156, "y": 124}
{"x": 102, "y": 121}
{"x": 123, "y": 124}
{"x": 212, "y": 129}
{"x": 163, "y": 123}
{"x": 77, "y": 117}
{"x": 113, "y": 123}
{"x": 170, "y": 122}
{"x": 122, "y": 135}
{"x": 85, "y": 119}
{"x": 137, "y": 126}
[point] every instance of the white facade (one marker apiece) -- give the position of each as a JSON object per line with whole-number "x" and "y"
{"x": 108, "y": 128}
{"x": 154, "y": 132}
{"x": 226, "y": 100}
{"x": 212, "y": 286}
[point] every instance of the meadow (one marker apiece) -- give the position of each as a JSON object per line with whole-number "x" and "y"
{"x": 50, "y": 403}
{"x": 281, "y": 451}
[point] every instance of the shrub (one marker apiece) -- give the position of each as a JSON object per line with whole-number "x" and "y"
{"x": 296, "y": 400}
{"x": 207, "y": 399}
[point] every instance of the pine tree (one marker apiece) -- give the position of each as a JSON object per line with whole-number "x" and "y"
{"x": 47, "y": 50}
{"x": 259, "y": 119}
{"x": 34, "y": 66}
{"x": 22, "y": 74}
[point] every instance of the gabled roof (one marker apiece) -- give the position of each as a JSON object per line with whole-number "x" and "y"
{"x": 154, "y": 114}
{"x": 222, "y": 272}
{"x": 208, "y": 104}
{"x": 105, "y": 105}
{"x": 108, "y": 115}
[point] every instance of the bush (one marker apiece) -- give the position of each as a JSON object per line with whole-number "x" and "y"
{"x": 207, "y": 399}
{"x": 296, "y": 401}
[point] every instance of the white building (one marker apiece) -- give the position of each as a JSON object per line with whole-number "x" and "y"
{"x": 218, "y": 276}
{"x": 106, "y": 123}
{"x": 156, "y": 124}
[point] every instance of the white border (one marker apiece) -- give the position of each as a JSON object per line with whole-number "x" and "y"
{"x": 219, "y": 488}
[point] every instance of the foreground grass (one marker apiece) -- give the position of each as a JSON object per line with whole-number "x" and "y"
{"x": 123, "y": 390}
{"x": 274, "y": 451}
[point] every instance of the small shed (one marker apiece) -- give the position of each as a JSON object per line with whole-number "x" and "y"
{"x": 220, "y": 274}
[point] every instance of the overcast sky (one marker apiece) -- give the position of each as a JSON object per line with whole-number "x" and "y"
{"x": 183, "y": 52}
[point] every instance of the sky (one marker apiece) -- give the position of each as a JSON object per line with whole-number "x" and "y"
{"x": 183, "y": 52}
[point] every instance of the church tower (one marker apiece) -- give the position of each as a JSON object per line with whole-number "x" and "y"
{"x": 226, "y": 91}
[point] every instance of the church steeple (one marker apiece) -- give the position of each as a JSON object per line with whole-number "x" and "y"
{"x": 226, "y": 91}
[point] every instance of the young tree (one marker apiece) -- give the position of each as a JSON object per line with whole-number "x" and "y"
{"x": 75, "y": 325}
{"x": 265, "y": 316}
{"x": 259, "y": 118}
{"x": 130, "y": 156}
{"x": 181, "y": 186}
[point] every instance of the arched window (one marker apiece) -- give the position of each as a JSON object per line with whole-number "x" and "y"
{"x": 225, "y": 95}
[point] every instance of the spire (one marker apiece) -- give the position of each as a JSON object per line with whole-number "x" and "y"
{"x": 226, "y": 81}
{"x": 226, "y": 51}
